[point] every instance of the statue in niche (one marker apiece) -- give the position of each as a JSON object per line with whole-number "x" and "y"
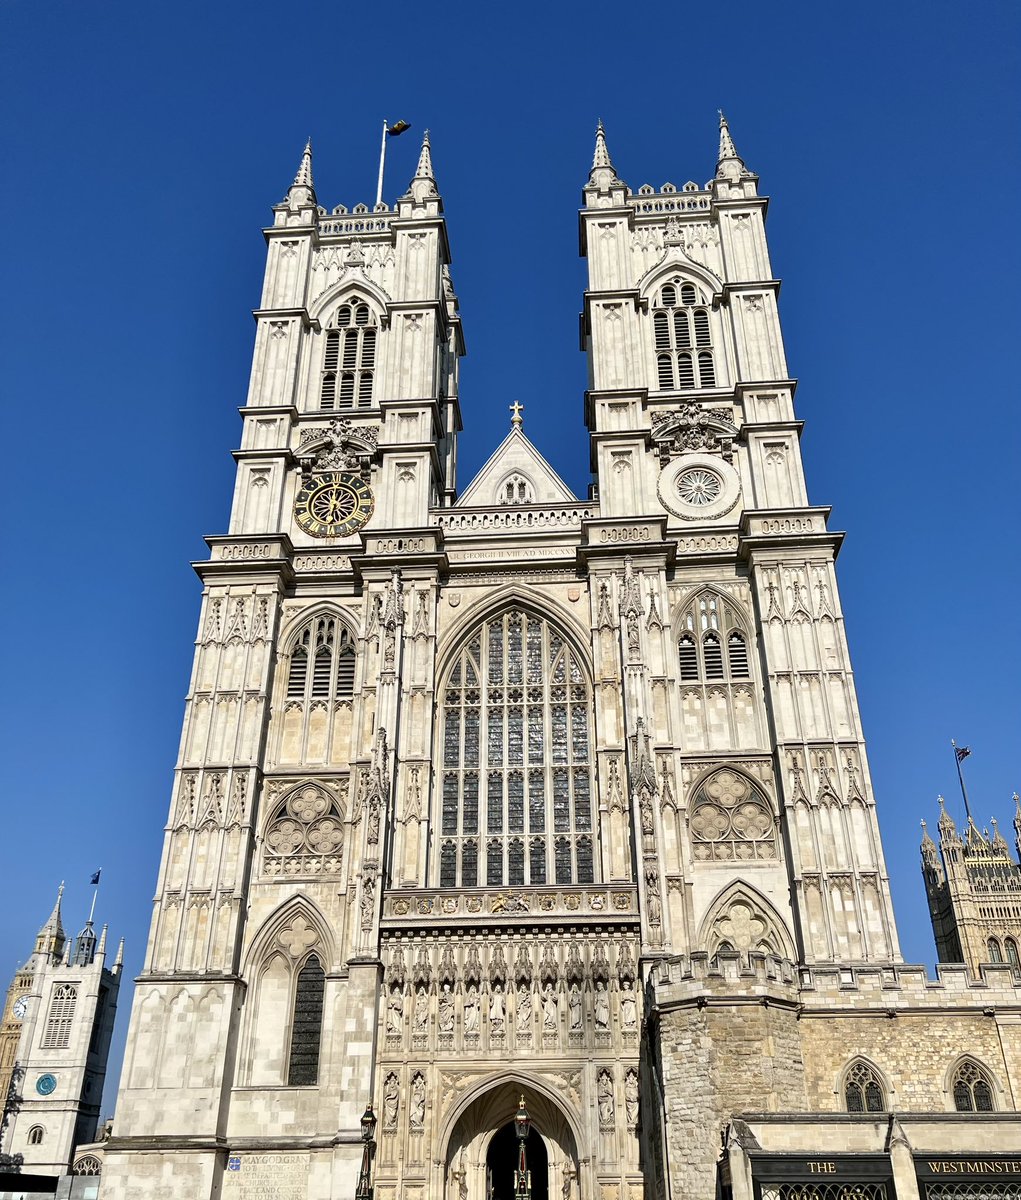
{"x": 574, "y": 1005}
{"x": 566, "y": 1186}
{"x": 655, "y": 907}
{"x": 628, "y": 1005}
{"x": 417, "y": 1116}
{"x": 631, "y": 1096}
{"x": 421, "y": 1009}
{"x": 602, "y": 1006}
{"x": 496, "y": 1011}
{"x": 523, "y": 1010}
{"x": 391, "y": 1099}
{"x": 368, "y": 903}
{"x": 605, "y": 1097}
{"x": 373, "y": 822}
{"x": 550, "y": 1011}
{"x": 395, "y": 1011}
{"x": 471, "y": 1010}
{"x": 446, "y": 1021}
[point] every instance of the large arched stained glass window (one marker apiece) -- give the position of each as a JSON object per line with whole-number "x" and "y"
{"x": 517, "y": 802}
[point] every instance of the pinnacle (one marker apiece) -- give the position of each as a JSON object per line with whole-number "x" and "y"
{"x": 424, "y": 170}
{"x": 601, "y": 161}
{"x": 728, "y": 151}
{"x": 304, "y": 175}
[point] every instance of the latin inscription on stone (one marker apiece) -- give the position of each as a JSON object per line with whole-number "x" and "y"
{"x": 266, "y": 1177}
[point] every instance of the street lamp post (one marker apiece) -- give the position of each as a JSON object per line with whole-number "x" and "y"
{"x": 522, "y": 1176}
{"x": 364, "y": 1190}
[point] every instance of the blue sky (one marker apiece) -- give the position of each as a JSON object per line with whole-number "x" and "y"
{"x": 144, "y": 146}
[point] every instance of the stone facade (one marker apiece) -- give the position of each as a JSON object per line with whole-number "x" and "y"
{"x": 511, "y": 793}
{"x": 54, "y": 1042}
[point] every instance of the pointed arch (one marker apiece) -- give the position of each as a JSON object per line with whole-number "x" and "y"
{"x": 333, "y": 297}
{"x": 662, "y": 272}
{"x": 741, "y": 915}
{"x": 970, "y": 1086}
{"x": 515, "y": 738}
{"x": 284, "y": 919}
{"x": 731, "y": 818}
{"x": 863, "y": 1087}
{"x": 303, "y": 832}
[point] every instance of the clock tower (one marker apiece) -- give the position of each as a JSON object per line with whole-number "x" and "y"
{"x": 54, "y": 1042}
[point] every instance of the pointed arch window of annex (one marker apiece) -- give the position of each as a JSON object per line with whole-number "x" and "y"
{"x": 971, "y": 1088}
{"x": 862, "y": 1090}
{"x": 322, "y": 662}
{"x": 60, "y": 1018}
{"x": 682, "y": 335}
{"x": 517, "y": 804}
{"x": 712, "y": 647}
{"x": 349, "y": 357}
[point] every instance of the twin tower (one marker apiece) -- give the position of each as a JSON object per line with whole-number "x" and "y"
{"x": 498, "y": 792}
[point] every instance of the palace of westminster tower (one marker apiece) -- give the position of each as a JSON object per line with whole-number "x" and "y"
{"x": 496, "y": 792}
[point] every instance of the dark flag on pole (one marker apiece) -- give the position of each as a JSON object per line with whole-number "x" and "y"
{"x": 95, "y": 877}
{"x": 962, "y": 752}
{"x": 397, "y": 128}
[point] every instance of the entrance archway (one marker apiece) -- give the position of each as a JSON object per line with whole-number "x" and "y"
{"x": 482, "y": 1147}
{"x": 502, "y": 1161}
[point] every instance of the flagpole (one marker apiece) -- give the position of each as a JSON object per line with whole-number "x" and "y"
{"x": 382, "y": 161}
{"x": 960, "y": 776}
{"x": 92, "y": 910}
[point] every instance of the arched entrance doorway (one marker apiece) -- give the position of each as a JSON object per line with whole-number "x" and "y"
{"x": 482, "y": 1146}
{"x": 502, "y": 1162}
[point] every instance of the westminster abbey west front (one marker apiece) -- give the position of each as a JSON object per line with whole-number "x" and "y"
{"x": 503, "y": 793}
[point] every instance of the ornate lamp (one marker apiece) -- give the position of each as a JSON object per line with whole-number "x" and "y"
{"x": 364, "y": 1189}
{"x": 522, "y": 1176}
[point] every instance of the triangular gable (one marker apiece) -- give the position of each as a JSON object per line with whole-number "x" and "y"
{"x": 515, "y": 459}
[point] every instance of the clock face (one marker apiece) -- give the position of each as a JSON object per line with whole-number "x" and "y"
{"x": 45, "y": 1084}
{"x": 20, "y": 1008}
{"x": 333, "y": 504}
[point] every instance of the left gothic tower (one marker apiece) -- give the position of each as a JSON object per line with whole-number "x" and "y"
{"x": 254, "y": 1020}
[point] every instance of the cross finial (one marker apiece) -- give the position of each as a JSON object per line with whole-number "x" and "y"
{"x": 516, "y": 411}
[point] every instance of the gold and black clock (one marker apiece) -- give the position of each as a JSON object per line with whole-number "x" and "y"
{"x": 333, "y": 504}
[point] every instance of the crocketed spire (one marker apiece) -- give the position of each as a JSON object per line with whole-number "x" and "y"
{"x": 729, "y": 164}
{"x": 424, "y": 170}
{"x": 602, "y": 173}
{"x": 930, "y": 855}
{"x": 304, "y": 175}
{"x": 50, "y": 939}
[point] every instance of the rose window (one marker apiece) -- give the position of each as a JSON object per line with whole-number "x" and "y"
{"x": 699, "y": 486}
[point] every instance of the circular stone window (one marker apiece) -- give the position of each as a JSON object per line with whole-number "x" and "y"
{"x": 699, "y": 487}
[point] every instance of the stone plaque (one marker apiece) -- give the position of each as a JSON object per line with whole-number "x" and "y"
{"x": 267, "y": 1176}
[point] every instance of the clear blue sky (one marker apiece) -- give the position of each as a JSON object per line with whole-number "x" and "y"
{"x": 143, "y": 146}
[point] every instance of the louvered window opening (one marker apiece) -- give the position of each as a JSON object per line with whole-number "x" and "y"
{"x": 60, "y": 1018}
{"x": 700, "y": 649}
{"x": 322, "y": 664}
{"x": 862, "y": 1090}
{"x": 306, "y": 1025}
{"x": 349, "y": 359}
{"x": 516, "y": 802}
{"x": 972, "y": 1090}
{"x": 682, "y": 336}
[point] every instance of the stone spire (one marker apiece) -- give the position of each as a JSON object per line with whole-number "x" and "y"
{"x": 729, "y": 164}
{"x": 50, "y": 939}
{"x": 999, "y": 842}
{"x": 302, "y": 191}
{"x": 930, "y": 855}
{"x": 947, "y": 828}
{"x": 1017, "y": 823}
{"x": 602, "y": 172}
{"x": 118, "y": 961}
{"x": 423, "y": 183}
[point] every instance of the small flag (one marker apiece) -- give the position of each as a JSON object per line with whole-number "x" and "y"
{"x": 397, "y": 128}
{"x": 95, "y": 877}
{"x": 962, "y": 752}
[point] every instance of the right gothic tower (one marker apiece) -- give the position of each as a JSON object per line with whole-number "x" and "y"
{"x": 695, "y": 449}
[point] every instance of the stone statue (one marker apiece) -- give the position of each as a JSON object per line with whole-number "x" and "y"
{"x": 391, "y": 1099}
{"x": 395, "y": 1011}
{"x": 421, "y": 1009}
{"x": 628, "y": 1005}
{"x": 471, "y": 1010}
{"x": 417, "y": 1115}
{"x": 602, "y": 1007}
{"x": 574, "y": 1005}
{"x": 550, "y": 1012}
{"x": 605, "y": 1095}
{"x": 446, "y": 1021}
{"x": 631, "y": 1096}
{"x": 523, "y": 1011}
{"x": 496, "y": 1011}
